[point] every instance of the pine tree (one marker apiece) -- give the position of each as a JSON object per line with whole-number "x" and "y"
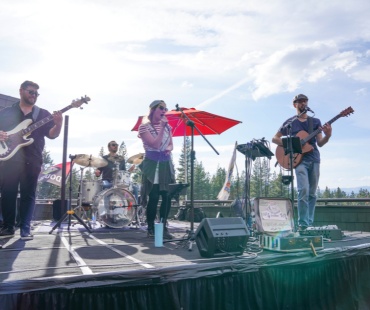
{"x": 217, "y": 181}
{"x": 201, "y": 182}
{"x": 183, "y": 170}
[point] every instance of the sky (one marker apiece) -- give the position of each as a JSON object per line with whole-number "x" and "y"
{"x": 244, "y": 60}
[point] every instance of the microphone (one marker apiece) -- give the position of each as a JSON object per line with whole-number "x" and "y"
{"x": 309, "y": 110}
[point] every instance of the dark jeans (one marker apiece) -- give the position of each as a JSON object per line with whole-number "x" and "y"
{"x": 23, "y": 176}
{"x": 151, "y": 210}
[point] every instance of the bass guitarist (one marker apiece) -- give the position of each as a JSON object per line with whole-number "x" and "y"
{"x": 23, "y": 168}
{"x": 307, "y": 168}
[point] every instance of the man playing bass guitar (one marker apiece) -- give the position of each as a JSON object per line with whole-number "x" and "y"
{"x": 23, "y": 167}
{"x": 307, "y": 168}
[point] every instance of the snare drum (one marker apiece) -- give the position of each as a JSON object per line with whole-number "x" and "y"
{"x": 89, "y": 190}
{"x": 115, "y": 207}
{"x": 123, "y": 179}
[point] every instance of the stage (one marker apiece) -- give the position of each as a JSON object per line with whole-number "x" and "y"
{"x": 122, "y": 269}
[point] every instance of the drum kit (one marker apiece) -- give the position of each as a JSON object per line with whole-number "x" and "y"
{"x": 116, "y": 206}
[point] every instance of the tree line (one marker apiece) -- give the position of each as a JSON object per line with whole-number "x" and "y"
{"x": 257, "y": 181}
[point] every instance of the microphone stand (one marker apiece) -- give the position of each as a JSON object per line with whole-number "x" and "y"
{"x": 290, "y": 150}
{"x": 69, "y": 212}
{"x": 191, "y": 236}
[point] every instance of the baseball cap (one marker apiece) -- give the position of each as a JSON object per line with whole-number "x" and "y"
{"x": 299, "y": 97}
{"x": 155, "y": 103}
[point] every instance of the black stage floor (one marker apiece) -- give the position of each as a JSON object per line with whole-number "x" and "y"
{"x": 71, "y": 251}
{"x": 72, "y": 259}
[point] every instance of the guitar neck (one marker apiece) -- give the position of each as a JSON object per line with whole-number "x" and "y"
{"x": 315, "y": 132}
{"x": 44, "y": 121}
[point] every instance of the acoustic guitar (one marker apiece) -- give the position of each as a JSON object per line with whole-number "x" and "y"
{"x": 284, "y": 159}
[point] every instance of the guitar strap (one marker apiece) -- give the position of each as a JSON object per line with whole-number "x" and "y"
{"x": 35, "y": 113}
{"x": 310, "y": 125}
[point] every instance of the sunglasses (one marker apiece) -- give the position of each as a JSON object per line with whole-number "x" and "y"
{"x": 114, "y": 144}
{"x": 31, "y": 92}
{"x": 161, "y": 107}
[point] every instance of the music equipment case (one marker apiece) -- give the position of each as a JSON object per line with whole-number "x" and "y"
{"x": 275, "y": 225}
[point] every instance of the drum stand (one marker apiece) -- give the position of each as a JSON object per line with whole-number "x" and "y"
{"x": 70, "y": 212}
{"x": 80, "y": 206}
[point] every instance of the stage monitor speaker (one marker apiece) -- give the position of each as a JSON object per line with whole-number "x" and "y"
{"x": 57, "y": 209}
{"x": 221, "y": 236}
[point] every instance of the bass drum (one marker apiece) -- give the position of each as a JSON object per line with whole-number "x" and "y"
{"x": 115, "y": 207}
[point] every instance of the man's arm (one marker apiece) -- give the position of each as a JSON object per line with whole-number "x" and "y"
{"x": 321, "y": 141}
{"x": 58, "y": 121}
{"x": 277, "y": 138}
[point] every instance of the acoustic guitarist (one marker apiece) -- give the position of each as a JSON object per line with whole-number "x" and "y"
{"x": 23, "y": 168}
{"x": 307, "y": 168}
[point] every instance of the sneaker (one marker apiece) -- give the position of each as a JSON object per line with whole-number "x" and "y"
{"x": 167, "y": 234}
{"x": 27, "y": 237}
{"x": 302, "y": 228}
{"x": 6, "y": 233}
{"x": 150, "y": 233}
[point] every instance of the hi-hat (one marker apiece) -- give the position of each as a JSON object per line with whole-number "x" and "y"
{"x": 90, "y": 161}
{"x": 116, "y": 158}
{"x": 136, "y": 159}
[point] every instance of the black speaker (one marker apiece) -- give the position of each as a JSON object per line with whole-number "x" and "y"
{"x": 57, "y": 209}
{"x": 221, "y": 236}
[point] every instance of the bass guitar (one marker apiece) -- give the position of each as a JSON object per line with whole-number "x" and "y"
{"x": 17, "y": 137}
{"x": 284, "y": 159}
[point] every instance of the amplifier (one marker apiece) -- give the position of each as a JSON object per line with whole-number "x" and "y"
{"x": 290, "y": 244}
{"x": 329, "y": 232}
{"x": 221, "y": 236}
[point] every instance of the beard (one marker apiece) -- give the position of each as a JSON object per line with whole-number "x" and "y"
{"x": 29, "y": 102}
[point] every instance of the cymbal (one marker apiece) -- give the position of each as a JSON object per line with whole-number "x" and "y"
{"x": 116, "y": 158}
{"x": 136, "y": 159}
{"x": 90, "y": 161}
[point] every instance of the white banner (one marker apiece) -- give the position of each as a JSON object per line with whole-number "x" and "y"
{"x": 225, "y": 190}
{"x": 53, "y": 174}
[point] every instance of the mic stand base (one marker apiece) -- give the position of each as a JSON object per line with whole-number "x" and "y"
{"x": 69, "y": 214}
{"x": 187, "y": 242}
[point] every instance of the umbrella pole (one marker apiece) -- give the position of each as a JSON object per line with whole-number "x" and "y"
{"x": 192, "y": 158}
{"x": 191, "y": 235}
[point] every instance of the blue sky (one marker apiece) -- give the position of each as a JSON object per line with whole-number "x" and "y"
{"x": 240, "y": 59}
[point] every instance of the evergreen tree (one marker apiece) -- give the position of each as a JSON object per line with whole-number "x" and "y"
{"x": 201, "y": 182}
{"x": 122, "y": 151}
{"x": 327, "y": 193}
{"x": 339, "y": 193}
{"x": 217, "y": 182}
{"x": 183, "y": 170}
{"x": 277, "y": 188}
{"x": 260, "y": 178}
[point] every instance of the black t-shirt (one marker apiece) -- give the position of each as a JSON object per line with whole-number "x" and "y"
{"x": 12, "y": 120}
{"x": 298, "y": 126}
{"x": 107, "y": 171}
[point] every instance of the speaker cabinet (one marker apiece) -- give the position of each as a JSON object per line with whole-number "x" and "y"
{"x": 57, "y": 209}
{"x": 222, "y": 236}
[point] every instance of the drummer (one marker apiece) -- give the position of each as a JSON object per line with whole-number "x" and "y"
{"x": 112, "y": 158}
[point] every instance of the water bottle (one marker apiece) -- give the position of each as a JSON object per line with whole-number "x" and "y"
{"x": 158, "y": 234}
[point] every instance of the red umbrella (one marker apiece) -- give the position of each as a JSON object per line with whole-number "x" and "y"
{"x": 207, "y": 123}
